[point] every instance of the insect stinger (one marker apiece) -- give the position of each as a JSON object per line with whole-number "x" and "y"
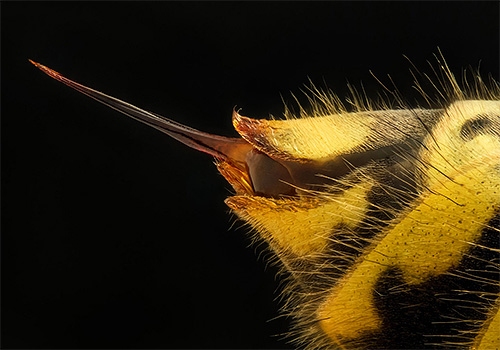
{"x": 231, "y": 152}
{"x": 250, "y": 167}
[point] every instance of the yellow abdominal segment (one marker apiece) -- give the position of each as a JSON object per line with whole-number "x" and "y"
{"x": 447, "y": 152}
{"x": 454, "y": 177}
{"x": 342, "y": 132}
{"x": 428, "y": 241}
{"x": 460, "y": 197}
{"x": 302, "y": 227}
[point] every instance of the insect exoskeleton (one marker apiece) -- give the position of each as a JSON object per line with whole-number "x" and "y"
{"x": 385, "y": 220}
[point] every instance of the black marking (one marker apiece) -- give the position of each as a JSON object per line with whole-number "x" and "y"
{"x": 450, "y": 307}
{"x": 474, "y": 127}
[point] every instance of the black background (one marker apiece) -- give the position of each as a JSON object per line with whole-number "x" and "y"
{"x": 114, "y": 235}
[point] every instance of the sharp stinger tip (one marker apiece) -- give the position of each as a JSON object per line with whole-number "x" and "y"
{"x": 46, "y": 70}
